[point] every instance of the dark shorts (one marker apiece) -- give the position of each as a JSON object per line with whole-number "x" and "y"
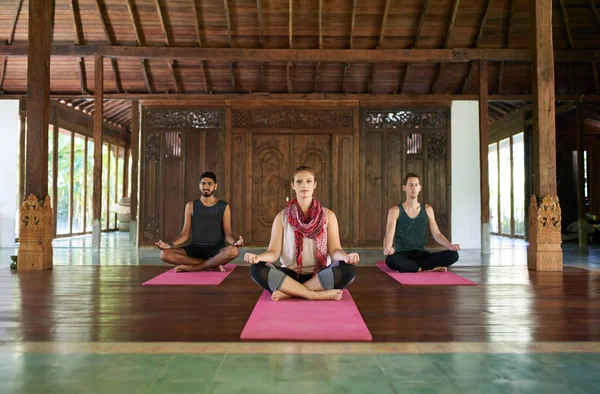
{"x": 202, "y": 252}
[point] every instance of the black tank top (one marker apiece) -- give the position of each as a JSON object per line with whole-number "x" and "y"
{"x": 207, "y": 224}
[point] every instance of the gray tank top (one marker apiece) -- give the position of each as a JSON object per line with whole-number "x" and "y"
{"x": 207, "y": 224}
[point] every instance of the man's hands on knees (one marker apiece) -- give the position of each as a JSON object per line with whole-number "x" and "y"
{"x": 250, "y": 258}
{"x": 239, "y": 242}
{"x": 163, "y": 245}
{"x": 455, "y": 247}
{"x": 352, "y": 258}
{"x": 388, "y": 251}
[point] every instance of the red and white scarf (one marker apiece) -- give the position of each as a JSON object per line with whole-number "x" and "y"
{"x": 313, "y": 225}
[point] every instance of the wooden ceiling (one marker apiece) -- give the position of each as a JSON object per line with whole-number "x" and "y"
{"x": 183, "y": 49}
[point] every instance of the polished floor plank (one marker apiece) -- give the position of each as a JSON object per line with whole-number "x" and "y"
{"x": 108, "y": 304}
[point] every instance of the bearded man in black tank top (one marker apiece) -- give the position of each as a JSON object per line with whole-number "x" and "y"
{"x": 406, "y": 234}
{"x": 208, "y": 222}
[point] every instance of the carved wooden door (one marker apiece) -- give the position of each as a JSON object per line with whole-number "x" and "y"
{"x": 274, "y": 159}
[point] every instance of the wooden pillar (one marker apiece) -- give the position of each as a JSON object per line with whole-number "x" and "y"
{"x": 135, "y": 147}
{"x": 98, "y": 117}
{"x": 483, "y": 157}
{"x": 125, "y": 171}
{"x": 544, "y": 251}
{"x": 582, "y": 212}
{"x": 35, "y": 249}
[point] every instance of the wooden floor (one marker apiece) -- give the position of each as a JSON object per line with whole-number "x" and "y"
{"x": 109, "y": 304}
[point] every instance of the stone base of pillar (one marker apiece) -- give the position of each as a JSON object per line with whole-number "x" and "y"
{"x": 96, "y": 235}
{"x": 544, "y": 252}
{"x": 485, "y": 238}
{"x": 36, "y": 232}
{"x": 133, "y": 232}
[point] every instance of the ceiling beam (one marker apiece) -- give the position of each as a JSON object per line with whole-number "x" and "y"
{"x": 79, "y": 41}
{"x": 144, "y": 63}
{"x": 380, "y": 44}
{"x": 9, "y": 42}
{"x": 229, "y": 42}
{"x": 565, "y": 17}
{"x": 207, "y": 88}
{"x": 440, "y": 69}
{"x": 109, "y": 35}
{"x": 170, "y": 62}
{"x": 290, "y": 35}
{"x": 318, "y": 65}
{"x": 476, "y": 45}
{"x": 347, "y": 64}
{"x": 262, "y": 42}
{"x": 310, "y": 55}
{"x": 416, "y": 43}
{"x": 596, "y": 79}
{"x": 595, "y": 9}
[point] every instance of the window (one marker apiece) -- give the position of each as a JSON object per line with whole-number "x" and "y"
{"x": 506, "y": 166}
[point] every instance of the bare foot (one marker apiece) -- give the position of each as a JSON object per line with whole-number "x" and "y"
{"x": 217, "y": 268}
{"x": 440, "y": 269}
{"x": 328, "y": 295}
{"x": 278, "y": 295}
{"x": 184, "y": 268}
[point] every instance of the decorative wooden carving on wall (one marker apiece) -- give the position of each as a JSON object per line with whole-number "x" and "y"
{"x": 173, "y": 144}
{"x": 436, "y": 145}
{"x": 151, "y": 227}
{"x": 414, "y": 144}
{"x": 544, "y": 252}
{"x": 153, "y": 146}
{"x": 292, "y": 119}
{"x": 547, "y": 217}
{"x": 35, "y": 234}
{"x": 176, "y": 119}
{"x": 405, "y": 119}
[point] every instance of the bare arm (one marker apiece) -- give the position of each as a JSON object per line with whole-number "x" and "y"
{"x": 184, "y": 235}
{"x": 390, "y": 231}
{"x": 275, "y": 244}
{"x": 334, "y": 246}
{"x": 435, "y": 231}
{"x": 229, "y": 237}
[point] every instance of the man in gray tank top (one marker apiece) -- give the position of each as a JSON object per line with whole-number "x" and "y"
{"x": 208, "y": 222}
{"x": 406, "y": 234}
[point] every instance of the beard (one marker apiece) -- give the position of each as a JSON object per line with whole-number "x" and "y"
{"x": 207, "y": 193}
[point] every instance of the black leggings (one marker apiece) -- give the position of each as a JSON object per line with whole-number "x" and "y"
{"x": 270, "y": 277}
{"x": 412, "y": 260}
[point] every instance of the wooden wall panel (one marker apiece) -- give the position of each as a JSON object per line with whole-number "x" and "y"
{"x": 393, "y": 172}
{"x": 213, "y": 152}
{"x": 172, "y": 199}
{"x": 315, "y": 151}
{"x": 191, "y": 167}
{"x": 346, "y": 189}
{"x": 372, "y": 196}
{"x": 237, "y": 182}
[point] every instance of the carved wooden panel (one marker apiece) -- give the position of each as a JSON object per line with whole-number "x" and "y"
{"x": 346, "y": 189}
{"x": 292, "y": 118}
{"x": 178, "y": 119}
{"x": 270, "y": 182}
{"x": 371, "y": 182}
{"x": 238, "y": 183}
{"x": 405, "y": 119}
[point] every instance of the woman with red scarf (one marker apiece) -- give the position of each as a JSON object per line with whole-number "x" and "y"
{"x": 305, "y": 238}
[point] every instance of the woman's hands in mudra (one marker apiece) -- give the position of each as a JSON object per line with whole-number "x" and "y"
{"x": 352, "y": 258}
{"x": 250, "y": 258}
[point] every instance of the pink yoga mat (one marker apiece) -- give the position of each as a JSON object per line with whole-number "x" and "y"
{"x": 302, "y": 320}
{"x": 201, "y": 278}
{"x": 426, "y": 278}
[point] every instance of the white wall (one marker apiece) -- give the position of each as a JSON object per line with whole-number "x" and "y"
{"x": 9, "y": 130}
{"x": 465, "y": 194}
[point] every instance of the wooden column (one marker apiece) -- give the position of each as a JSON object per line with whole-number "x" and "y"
{"x": 35, "y": 249}
{"x": 582, "y": 212}
{"x": 483, "y": 157}
{"x": 125, "y": 171}
{"x": 544, "y": 250}
{"x": 98, "y": 117}
{"x": 135, "y": 147}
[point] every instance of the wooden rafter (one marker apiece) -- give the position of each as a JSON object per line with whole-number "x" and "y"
{"x": 500, "y": 77}
{"x": 110, "y": 39}
{"x": 416, "y": 43}
{"x": 9, "y": 41}
{"x": 440, "y": 69}
{"x": 477, "y": 41}
{"x": 347, "y": 64}
{"x": 140, "y": 42}
{"x": 262, "y": 42}
{"x": 506, "y": 43}
{"x": 567, "y": 23}
{"x": 199, "y": 43}
{"x": 291, "y": 42}
{"x": 380, "y": 43}
{"x": 229, "y": 41}
{"x": 318, "y": 64}
{"x": 596, "y": 80}
{"x": 595, "y": 9}
{"x": 170, "y": 62}
{"x": 79, "y": 41}
{"x": 144, "y": 64}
